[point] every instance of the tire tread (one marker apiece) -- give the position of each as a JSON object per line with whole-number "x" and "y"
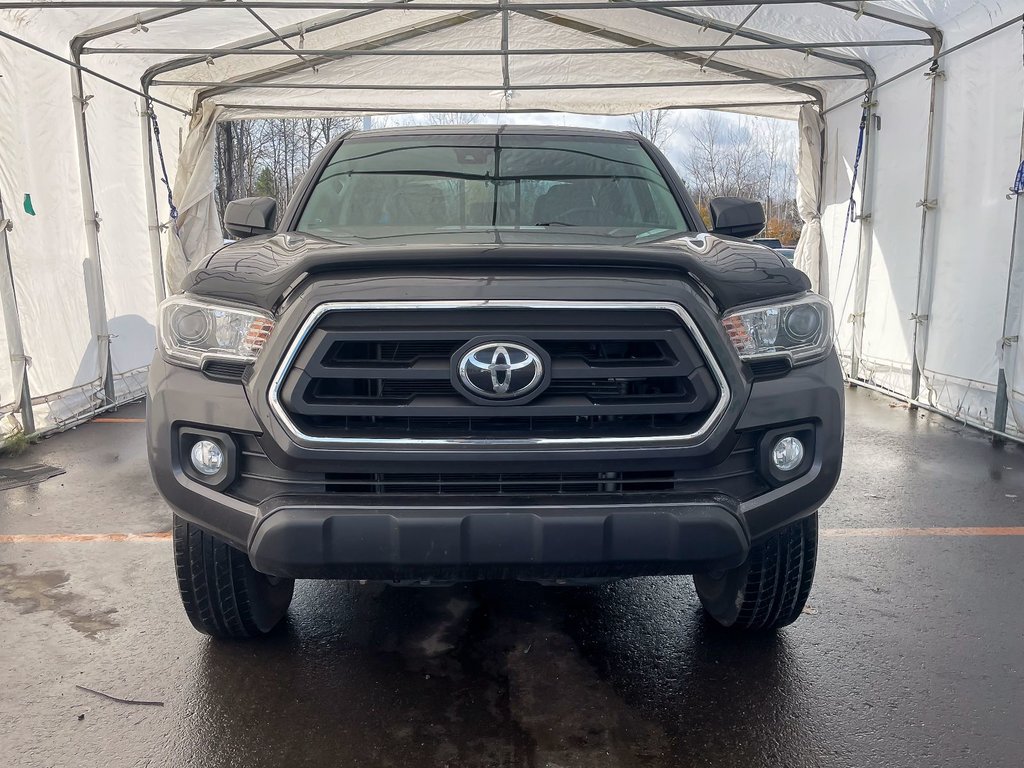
{"x": 212, "y": 580}
{"x": 779, "y": 574}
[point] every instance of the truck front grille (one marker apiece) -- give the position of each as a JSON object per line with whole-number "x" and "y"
{"x": 617, "y": 371}
{"x": 736, "y": 475}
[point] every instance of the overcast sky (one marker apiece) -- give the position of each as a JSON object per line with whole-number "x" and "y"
{"x": 675, "y": 147}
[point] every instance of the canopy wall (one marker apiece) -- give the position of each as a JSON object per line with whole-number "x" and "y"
{"x": 82, "y": 290}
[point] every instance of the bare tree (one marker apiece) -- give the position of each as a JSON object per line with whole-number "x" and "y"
{"x": 744, "y": 157}
{"x": 655, "y": 125}
{"x": 446, "y": 118}
{"x": 268, "y": 157}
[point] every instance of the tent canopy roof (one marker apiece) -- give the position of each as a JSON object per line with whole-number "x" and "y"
{"x": 264, "y": 57}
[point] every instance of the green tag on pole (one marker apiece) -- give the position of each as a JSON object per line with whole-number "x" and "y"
{"x": 28, "y": 205}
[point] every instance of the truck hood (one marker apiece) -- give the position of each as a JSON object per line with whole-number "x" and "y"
{"x": 262, "y": 271}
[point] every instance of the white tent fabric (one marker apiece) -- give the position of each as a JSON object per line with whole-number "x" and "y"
{"x": 808, "y": 174}
{"x": 196, "y": 231}
{"x": 922, "y": 273}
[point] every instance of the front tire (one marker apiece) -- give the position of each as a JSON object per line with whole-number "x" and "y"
{"x": 770, "y": 589}
{"x": 223, "y": 595}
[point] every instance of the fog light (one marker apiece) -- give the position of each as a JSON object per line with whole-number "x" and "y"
{"x": 787, "y": 454}
{"x": 208, "y": 457}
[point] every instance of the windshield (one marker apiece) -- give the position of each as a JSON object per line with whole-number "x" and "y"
{"x": 436, "y": 183}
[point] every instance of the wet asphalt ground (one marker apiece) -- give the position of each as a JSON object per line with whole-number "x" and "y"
{"x": 911, "y": 652}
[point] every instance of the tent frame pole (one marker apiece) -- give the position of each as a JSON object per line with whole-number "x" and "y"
{"x": 751, "y": 34}
{"x": 448, "y": 21}
{"x": 937, "y": 37}
{"x": 1011, "y": 318}
{"x": 335, "y": 53}
{"x": 152, "y": 206}
{"x": 12, "y": 326}
{"x": 414, "y": 111}
{"x": 228, "y": 85}
{"x": 78, "y": 67}
{"x": 317, "y": 24}
{"x": 865, "y": 241}
{"x": 926, "y": 255}
{"x": 1012, "y": 307}
{"x": 861, "y": 7}
{"x": 95, "y": 295}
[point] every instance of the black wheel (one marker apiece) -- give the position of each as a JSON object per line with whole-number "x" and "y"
{"x": 223, "y": 594}
{"x": 770, "y": 589}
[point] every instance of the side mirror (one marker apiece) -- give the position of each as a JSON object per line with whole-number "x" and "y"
{"x": 736, "y": 217}
{"x": 250, "y": 216}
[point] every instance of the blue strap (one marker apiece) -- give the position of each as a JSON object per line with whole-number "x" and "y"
{"x": 1018, "y": 182}
{"x": 851, "y": 209}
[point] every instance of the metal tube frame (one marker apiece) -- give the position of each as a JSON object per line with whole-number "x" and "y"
{"x": 96, "y": 300}
{"x": 750, "y": 34}
{"x": 278, "y": 37}
{"x": 295, "y": 30}
{"x": 232, "y": 85}
{"x": 413, "y": 111}
{"x": 665, "y": 7}
{"x": 12, "y": 326}
{"x": 862, "y": 270}
{"x": 1012, "y": 306}
{"x": 408, "y": 33}
{"x": 156, "y": 249}
{"x": 1011, "y": 315}
{"x": 730, "y": 36}
{"x": 335, "y": 53}
{"x": 937, "y": 43}
{"x": 504, "y": 6}
{"x": 862, "y": 8}
{"x": 79, "y": 68}
{"x": 926, "y": 256}
{"x": 624, "y": 39}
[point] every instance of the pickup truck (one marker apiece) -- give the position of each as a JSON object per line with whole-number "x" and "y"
{"x": 493, "y": 353}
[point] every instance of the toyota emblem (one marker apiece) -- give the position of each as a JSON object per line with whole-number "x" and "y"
{"x": 501, "y": 370}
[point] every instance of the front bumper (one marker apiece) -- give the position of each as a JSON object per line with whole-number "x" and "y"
{"x": 293, "y": 532}
{"x": 313, "y": 538}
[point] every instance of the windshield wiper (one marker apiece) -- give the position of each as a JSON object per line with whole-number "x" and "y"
{"x": 558, "y": 224}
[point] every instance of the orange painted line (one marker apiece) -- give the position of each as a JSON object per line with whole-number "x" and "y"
{"x": 893, "y": 533}
{"x": 77, "y": 538}
{"x": 117, "y": 420}
{"x": 826, "y": 533}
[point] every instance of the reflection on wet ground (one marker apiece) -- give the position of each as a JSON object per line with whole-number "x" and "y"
{"x": 908, "y": 655}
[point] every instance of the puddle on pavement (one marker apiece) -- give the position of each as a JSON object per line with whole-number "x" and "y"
{"x": 45, "y": 591}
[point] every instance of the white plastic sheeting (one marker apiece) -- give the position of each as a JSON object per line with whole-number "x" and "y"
{"x": 196, "y": 230}
{"x": 920, "y": 272}
{"x": 808, "y": 255}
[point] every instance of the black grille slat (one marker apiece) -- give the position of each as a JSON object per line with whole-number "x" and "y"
{"x": 735, "y": 474}
{"x": 506, "y": 426}
{"x": 389, "y": 373}
{"x": 597, "y": 352}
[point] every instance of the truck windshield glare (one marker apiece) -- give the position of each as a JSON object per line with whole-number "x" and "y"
{"x": 509, "y": 182}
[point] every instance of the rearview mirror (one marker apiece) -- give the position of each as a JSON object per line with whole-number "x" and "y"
{"x": 736, "y": 216}
{"x": 250, "y": 216}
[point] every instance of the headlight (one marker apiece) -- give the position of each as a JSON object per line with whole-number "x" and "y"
{"x": 193, "y": 331}
{"x": 801, "y": 329}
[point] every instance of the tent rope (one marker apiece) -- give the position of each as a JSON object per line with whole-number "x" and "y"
{"x": 160, "y": 153}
